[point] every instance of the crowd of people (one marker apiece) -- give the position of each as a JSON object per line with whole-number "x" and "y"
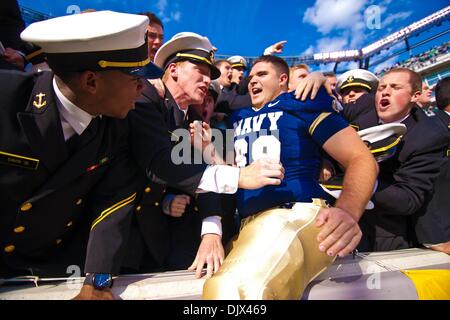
{"x": 420, "y": 60}
{"x": 90, "y": 170}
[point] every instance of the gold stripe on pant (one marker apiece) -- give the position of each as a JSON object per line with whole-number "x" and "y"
{"x": 275, "y": 256}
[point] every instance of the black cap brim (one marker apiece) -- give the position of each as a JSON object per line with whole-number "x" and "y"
{"x": 149, "y": 71}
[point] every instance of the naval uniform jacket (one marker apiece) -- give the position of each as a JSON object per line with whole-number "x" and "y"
{"x": 152, "y": 125}
{"x": 55, "y": 196}
{"x": 433, "y": 222}
{"x": 405, "y": 181}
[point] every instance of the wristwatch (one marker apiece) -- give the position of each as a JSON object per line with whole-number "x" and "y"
{"x": 99, "y": 281}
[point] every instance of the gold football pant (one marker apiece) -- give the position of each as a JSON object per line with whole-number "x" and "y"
{"x": 275, "y": 256}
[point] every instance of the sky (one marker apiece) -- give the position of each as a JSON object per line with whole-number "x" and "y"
{"x": 247, "y": 27}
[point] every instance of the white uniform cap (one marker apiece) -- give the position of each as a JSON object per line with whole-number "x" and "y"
{"x": 187, "y": 46}
{"x": 357, "y": 78}
{"x": 93, "y": 41}
{"x": 237, "y": 61}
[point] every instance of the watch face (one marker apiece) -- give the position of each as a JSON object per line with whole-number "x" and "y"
{"x": 102, "y": 280}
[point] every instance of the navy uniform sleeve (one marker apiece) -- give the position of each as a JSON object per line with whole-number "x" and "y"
{"x": 112, "y": 202}
{"x": 319, "y": 117}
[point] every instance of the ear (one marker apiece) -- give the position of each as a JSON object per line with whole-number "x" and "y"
{"x": 283, "y": 79}
{"x": 89, "y": 81}
{"x": 173, "y": 70}
{"x": 416, "y": 96}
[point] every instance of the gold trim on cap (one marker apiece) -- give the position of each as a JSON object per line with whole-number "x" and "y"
{"x": 194, "y": 56}
{"x": 393, "y": 144}
{"x": 33, "y": 54}
{"x": 356, "y": 84}
{"x": 105, "y": 64}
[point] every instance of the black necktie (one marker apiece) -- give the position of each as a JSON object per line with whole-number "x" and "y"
{"x": 77, "y": 141}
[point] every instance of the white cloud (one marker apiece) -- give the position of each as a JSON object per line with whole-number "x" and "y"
{"x": 331, "y": 44}
{"x": 395, "y": 16}
{"x": 328, "y": 15}
{"x": 308, "y": 51}
{"x": 165, "y": 13}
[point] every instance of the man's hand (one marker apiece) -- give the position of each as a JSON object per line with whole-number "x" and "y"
{"x": 14, "y": 57}
{"x": 210, "y": 252}
{"x": 159, "y": 86}
{"x": 200, "y": 131}
{"x": 88, "y": 292}
{"x": 311, "y": 84}
{"x": 340, "y": 233}
{"x": 261, "y": 173}
{"x": 326, "y": 171}
{"x": 278, "y": 47}
{"x": 178, "y": 205}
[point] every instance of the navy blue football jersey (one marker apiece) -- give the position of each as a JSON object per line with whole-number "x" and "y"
{"x": 292, "y": 131}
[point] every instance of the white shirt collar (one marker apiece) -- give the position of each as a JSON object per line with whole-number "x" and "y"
{"x": 447, "y": 112}
{"x": 77, "y": 118}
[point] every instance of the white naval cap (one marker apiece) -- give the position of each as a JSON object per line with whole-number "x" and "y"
{"x": 237, "y": 61}
{"x": 187, "y": 46}
{"x": 95, "y": 41}
{"x": 382, "y": 140}
{"x": 357, "y": 78}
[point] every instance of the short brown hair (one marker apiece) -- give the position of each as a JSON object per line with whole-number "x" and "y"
{"x": 415, "y": 80}
{"x": 300, "y": 66}
{"x": 280, "y": 65}
{"x": 218, "y": 63}
{"x": 153, "y": 18}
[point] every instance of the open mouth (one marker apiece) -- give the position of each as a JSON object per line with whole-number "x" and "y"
{"x": 384, "y": 103}
{"x": 256, "y": 91}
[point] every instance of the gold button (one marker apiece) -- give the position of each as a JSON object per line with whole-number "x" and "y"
{"x": 79, "y": 201}
{"x": 58, "y": 241}
{"x": 148, "y": 189}
{"x": 138, "y": 208}
{"x": 19, "y": 229}
{"x": 10, "y": 248}
{"x": 196, "y": 208}
{"x": 69, "y": 224}
{"x": 156, "y": 204}
{"x": 26, "y": 206}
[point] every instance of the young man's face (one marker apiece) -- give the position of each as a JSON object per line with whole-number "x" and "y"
{"x": 117, "y": 93}
{"x": 225, "y": 74}
{"x": 155, "y": 39}
{"x": 395, "y": 97}
{"x": 237, "y": 74}
{"x": 296, "y": 76}
{"x": 193, "y": 79}
{"x": 425, "y": 97}
{"x": 351, "y": 94}
{"x": 265, "y": 84}
{"x": 206, "y": 109}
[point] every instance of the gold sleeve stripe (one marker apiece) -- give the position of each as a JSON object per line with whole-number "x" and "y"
{"x": 318, "y": 120}
{"x": 113, "y": 208}
{"x": 329, "y": 186}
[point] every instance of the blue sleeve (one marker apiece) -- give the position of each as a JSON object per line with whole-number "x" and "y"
{"x": 325, "y": 125}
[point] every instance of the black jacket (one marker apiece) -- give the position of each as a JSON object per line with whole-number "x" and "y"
{"x": 405, "y": 181}
{"x": 432, "y": 225}
{"x": 54, "y": 199}
{"x": 153, "y": 124}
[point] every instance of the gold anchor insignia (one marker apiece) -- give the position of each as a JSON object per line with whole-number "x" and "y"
{"x": 39, "y": 104}
{"x": 211, "y": 54}
{"x": 350, "y": 79}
